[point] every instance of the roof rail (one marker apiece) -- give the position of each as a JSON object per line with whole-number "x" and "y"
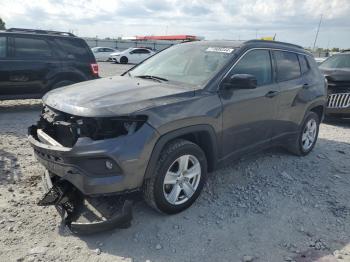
{"x": 273, "y": 42}
{"x": 39, "y": 31}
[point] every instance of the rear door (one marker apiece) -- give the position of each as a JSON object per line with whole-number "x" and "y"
{"x": 30, "y": 62}
{"x": 134, "y": 56}
{"x": 144, "y": 54}
{"x": 249, "y": 114}
{"x": 291, "y": 83}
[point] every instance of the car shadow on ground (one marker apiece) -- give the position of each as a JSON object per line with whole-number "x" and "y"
{"x": 271, "y": 205}
{"x": 343, "y": 122}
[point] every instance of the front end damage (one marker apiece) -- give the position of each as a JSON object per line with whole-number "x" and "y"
{"x": 82, "y": 214}
{"x": 93, "y": 167}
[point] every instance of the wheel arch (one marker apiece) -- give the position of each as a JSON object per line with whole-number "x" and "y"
{"x": 319, "y": 110}
{"x": 202, "y": 135}
{"x": 67, "y": 76}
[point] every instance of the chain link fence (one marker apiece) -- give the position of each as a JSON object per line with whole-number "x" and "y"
{"x": 125, "y": 44}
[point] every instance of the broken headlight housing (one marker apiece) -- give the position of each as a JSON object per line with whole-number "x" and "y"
{"x": 104, "y": 128}
{"x": 66, "y": 128}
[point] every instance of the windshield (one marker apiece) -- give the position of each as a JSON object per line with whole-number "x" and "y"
{"x": 185, "y": 63}
{"x": 337, "y": 61}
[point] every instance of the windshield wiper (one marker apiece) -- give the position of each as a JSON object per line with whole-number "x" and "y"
{"x": 157, "y": 78}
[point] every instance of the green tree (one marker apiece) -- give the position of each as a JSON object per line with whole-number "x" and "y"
{"x": 2, "y": 25}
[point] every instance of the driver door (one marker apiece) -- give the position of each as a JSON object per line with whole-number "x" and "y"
{"x": 249, "y": 115}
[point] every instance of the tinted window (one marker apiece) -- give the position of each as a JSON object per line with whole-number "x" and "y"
{"x": 30, "y": 47}
{"x": 287, "y": 65}
{"x": 109, "y": 50}
{"x": 143, "y": 51}
{"x": 304, "y": 64}
{"x": 256, "y": 63}
{"x": 3, "y": 46}
{"x": 74, "y": 49}
{"x": 136, "y": 51}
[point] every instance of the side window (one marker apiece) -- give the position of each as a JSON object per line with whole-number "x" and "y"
{"x": 3, "y": 46}
{"x": 287, "y": 66}
{"x": 108, "y": 50}
{"x": 31, "y": 48}
{"x": 256, "y": 63}
{"x": 304, "y": 64}
{"x": 73, "y": 48}
{"x": 137, "y": 51}
{"x": 144, "y": 51}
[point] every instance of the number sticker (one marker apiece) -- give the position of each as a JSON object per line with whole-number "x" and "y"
{"x": 220, "y": 49}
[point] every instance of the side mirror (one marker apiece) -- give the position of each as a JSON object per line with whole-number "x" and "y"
{"x": 240, "y": 81}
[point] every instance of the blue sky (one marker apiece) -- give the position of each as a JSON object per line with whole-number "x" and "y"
{"x": 292, "y": 21}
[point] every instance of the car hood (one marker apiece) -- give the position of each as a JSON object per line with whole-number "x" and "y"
{"x": 334, "y": 74}
{"x": 119, "y": 95}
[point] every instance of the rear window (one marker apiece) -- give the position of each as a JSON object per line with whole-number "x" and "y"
{"x": 3, "y": 46}
{"x": 31, "y": 48}
{"x": 74, "y": 49}
{"x": 287, "y": 65}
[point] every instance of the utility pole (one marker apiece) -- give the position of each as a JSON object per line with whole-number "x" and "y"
{"x": 318, "y": 29}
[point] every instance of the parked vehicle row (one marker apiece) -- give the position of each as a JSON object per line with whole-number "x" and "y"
{"x": 164, "y": 124}
{"x": 33, "y": 62}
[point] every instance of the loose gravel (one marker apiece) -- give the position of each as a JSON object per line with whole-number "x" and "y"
{"x": 270, "y": 206}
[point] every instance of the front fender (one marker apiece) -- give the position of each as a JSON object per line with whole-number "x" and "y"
{"x": 164, "y": 139}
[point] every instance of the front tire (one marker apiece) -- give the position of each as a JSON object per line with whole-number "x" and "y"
{"x": 307, "y": 136}
{"x": 179, "y": 177}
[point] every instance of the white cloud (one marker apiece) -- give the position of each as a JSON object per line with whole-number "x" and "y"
{"x": 292, "y": 20}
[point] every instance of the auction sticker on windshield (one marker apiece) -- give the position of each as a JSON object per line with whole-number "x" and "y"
{"x": 219, "y": 49}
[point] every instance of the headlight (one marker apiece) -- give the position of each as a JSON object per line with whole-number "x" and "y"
{"x": 104, "y": 128}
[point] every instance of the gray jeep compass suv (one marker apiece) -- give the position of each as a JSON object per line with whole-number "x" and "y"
{"x": 164, "y": 124}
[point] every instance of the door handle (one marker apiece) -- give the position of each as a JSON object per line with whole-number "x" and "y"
{"x": 306, "y": 86}
{"x": 271, "y": 94}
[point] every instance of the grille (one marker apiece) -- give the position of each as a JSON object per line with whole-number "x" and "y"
{"x": 341, "y": 100}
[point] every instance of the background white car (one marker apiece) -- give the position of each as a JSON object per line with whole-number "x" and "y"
{"x": 131, "y": 55}
{"x": 103, "y": 53}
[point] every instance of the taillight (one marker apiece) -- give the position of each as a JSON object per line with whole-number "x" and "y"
{"x": 94, "y": 69}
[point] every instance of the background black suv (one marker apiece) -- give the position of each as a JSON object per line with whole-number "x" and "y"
{"x": 33, "y": 62}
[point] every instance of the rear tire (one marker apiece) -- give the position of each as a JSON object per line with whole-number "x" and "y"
{"x": 307, "y": 136}
{"x": 124, "y": 60}
{"x": 178, "y": 178}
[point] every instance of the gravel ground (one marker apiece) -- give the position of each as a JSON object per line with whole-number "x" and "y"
{"x": 271, "y": 206}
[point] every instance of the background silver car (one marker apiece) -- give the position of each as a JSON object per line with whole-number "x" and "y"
{"x": 103, "y": 53}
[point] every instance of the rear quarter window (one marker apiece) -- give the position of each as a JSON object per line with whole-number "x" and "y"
{"x": 74, "y": 48}
{"x": 288, "y": 67}
{"x": 3, "y": 46}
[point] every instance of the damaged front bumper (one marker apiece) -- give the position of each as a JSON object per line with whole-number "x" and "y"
{"x": 85, "y": 215}
{"x": 91, "y": 195}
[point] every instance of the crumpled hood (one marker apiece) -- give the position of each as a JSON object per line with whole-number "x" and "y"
{"x": 119, "y": 95}
{"x": 336, "y": 74}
